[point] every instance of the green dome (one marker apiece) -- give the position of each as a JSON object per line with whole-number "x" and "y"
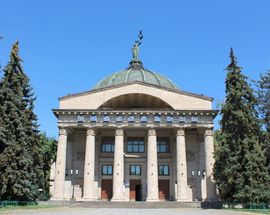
{"x": 136, "y": 72}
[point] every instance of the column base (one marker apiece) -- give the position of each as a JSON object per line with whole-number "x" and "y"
{"x": 60, "y": 199}
{"x": 152, "y": 200}
{"x": 118, "y": 199}
{"x": 183, "y": 200}
{"x": 89, "y": 199}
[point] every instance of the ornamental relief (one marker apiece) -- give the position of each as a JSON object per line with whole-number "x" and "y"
{"x": 90, "y": 132}
{"x": 208, "y": 132}
{"x": 119, "y": 132}
{"x": 180, "y": 132}
{"x": 152, "y": 132}
{"x": 62, "y": 131}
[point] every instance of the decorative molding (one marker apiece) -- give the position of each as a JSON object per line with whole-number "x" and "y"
{"x": 90, "y": 132}
{"x": 180, "y": 132}
{"x": 152, "y": 132}
{"x": 119, "y": 132}
{"x": 208, "y": 132}
{"x": 62, "y": 131}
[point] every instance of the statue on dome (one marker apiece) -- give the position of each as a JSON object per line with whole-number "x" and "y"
{"x": 135, "y": 48}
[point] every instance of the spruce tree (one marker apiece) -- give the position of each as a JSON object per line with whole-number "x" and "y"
{"x": 264, "y": 107}
{"x": 20, "y": 157}
{"x": 240, "y": 170}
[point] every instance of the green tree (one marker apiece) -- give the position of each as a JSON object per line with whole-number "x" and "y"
{"x": 264, "y": 107}
{"x": 240, "y": 170}
{"x": 20, "y": 152}
{"x": 48, "y": 150}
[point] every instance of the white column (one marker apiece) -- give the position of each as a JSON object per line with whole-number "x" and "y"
{"x": 118, "y": 167}
{"x": 89, "y": 192}
{"x": 152, "y": 167}
{"x": 60, "y": 166}
{"x": 181, "y": 166}
{"x": 209, "y": 163}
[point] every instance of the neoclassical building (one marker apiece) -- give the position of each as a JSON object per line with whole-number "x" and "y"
{"x": 134, "y": 137}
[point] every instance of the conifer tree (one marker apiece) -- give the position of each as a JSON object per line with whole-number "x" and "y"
{"x": 240, "y": 170}
{"x": 264, "y": 106}
{"x": 20, "y": 157}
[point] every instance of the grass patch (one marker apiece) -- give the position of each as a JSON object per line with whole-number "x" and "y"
{"x": 258, "y": 211}
{"x": 12, "y": 207}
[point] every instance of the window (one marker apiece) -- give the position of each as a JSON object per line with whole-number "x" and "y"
{"x": 118, "y": 118}
{"x": 107, "y": 169}
{"x": 194, "y": 119}
{"x": 182, "y": 119}
{"x": 163, "y": 145}
{"x": 107, "y": 144}
{"x": 163, "y": 170}
{"x": 169, "y": 119}
{"x": 131, "y": 118}
{"x": 157, "y": 119}
{"x": 106, "y": 118}
{"x": 144, "y": 119}
{"x": 93, "y": 118}
{"x": 80, "y": 118}
{"x": 135, "y": 170}
{"x": 135, "y": 145}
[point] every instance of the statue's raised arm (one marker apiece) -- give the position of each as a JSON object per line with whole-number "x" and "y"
{"x": 135, "y": 48}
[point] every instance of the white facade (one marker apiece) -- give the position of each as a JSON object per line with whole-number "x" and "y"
{"x": 159, "y": 154}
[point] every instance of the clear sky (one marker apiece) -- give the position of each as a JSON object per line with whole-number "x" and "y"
{"x": 68, "y": 46}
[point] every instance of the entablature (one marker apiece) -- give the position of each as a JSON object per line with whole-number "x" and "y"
{"x": 135, "y": 118}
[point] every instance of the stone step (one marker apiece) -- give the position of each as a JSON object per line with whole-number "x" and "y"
{"x": 139, "y": 204}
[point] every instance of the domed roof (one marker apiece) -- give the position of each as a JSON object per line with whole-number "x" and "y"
{"x": 136, "y": 73}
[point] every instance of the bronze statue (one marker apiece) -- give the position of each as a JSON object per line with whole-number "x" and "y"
{"x": 135, "y": 48}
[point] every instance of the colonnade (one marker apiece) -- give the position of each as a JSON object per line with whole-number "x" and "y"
{"x": 89, "y": 193}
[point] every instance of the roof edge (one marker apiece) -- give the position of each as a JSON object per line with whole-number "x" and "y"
{"x": 137, "y": 82}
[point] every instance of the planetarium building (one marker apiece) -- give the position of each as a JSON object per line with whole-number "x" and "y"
{"x": 134, "y": 137}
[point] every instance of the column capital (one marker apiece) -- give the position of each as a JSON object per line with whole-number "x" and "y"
{"x": 152, "y": 132}
{"x": 62, "y": 131}
{"x": 180, "y": 132}
{"x": 208, "y": 132}
{"x": 119, "y": 132}
{"x": 90, "y": 132}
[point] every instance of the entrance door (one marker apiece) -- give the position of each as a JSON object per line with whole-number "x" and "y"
{"x": 135, "y": 192}
{"x": 106, "y": 189}
{"x": 164, "y": 189}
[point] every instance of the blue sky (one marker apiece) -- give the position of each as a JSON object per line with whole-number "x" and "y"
{"x": 68, "y": 46}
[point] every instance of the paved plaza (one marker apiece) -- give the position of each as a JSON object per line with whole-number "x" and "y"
{"x": 117, "y": 211}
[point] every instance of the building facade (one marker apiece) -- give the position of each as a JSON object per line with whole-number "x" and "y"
{"x": 135, "y": 137}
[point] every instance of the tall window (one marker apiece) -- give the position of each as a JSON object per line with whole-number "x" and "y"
{"x": 163, "y": 145}
{"x": 135, "y": 145}
{"x": 163, "y": 170}
{"x": 135, "y": 170}
{"x": 107, "y": 144}
{"x": 107, "y": 169}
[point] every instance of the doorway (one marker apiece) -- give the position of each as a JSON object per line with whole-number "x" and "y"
{"x": 106, "y": 189}
{"x": 164, "y": 189}
{"x": 135, "y": 193}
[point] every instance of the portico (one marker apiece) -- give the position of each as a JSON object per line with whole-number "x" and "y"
{"x": 108, "y": 144}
